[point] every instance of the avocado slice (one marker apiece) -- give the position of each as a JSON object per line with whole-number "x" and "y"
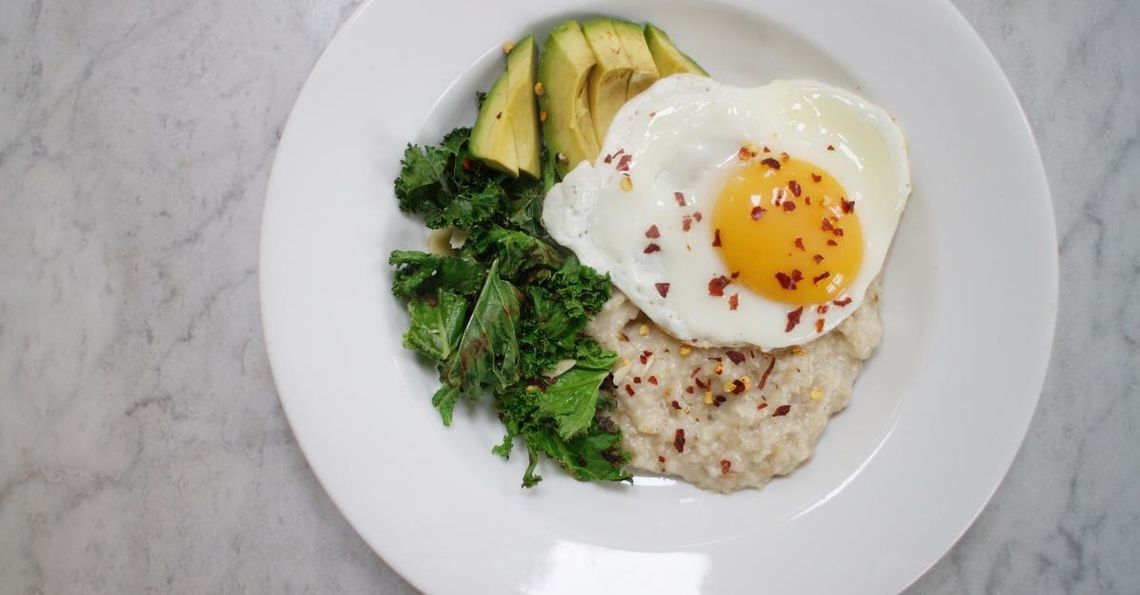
{"x": 564, "y": 72}
{"x": 493, "y": 137}
{"x": 610, "y": 78}
{"x": 644, "y": 69}
{"x": 668, "y": 58}
{"x": 521, "y": 106}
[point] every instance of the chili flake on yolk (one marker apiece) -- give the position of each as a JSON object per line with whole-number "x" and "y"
{"x": 789, "y": 230}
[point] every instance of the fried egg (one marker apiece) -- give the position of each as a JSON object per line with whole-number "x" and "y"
{"x": 735, "y": 216}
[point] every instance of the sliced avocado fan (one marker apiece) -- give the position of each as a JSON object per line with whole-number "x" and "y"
{"x": 505, "y": 135}
{"x": 668, "y": 58}
{"x": 644, "y": 68}
{"x": 609, "y": 81}
{"x": 564, "y": 73}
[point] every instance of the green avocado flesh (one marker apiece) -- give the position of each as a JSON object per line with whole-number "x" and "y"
{"x": 644, "y": 68}
{"x": 586, "y": 74}
{"x": 609, "y": 80}
{"x": 668, "y": 58}
{"x": 505, "y": 135}
{"x": 521, "y": 106}
{"x": 564, "y": 70}
{"x": 493, "y": 137}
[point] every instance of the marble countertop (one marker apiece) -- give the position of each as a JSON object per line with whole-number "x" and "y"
{"x": 142, "y": 446}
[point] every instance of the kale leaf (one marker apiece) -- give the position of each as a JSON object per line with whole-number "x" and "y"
{"x": 516, "y": 251}
{"x": 420, "y": 274}
{"x": 486, "y": 357}
{"x": 502, "y": 313}
{"x": 593, "y": 454}
{"x": 435, "y": 324}
{"x": 573, "y": 397}
{"x": 419, "y": 182}
{"x": 469, "y": 209}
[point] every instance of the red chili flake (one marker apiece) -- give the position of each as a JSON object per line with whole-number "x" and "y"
{"x": 799, "y": 243}
{"x": 771, "y": 163}
{"x": 716, "y": 238}
{"x": 781, "y": 411}
{"x": 701, "y": 383}
{"x": 644, "y": 357}
{"x": 680, "y": 198}
{"x": 695, "y": 371}
{"x": 651, "y": 248}
{"x": 660, "y": 459}
{"x": 819, "y": 325}
{"x": 719, "y": 399}
{"x": 788, "y": 205}
{"x": 744, "y": 154}
{"x": 689, "y": 390}
{"x": 734, "y": 356}
{"x": 629, "y": 390}
{"x": 468, "y": 165}
{"x": 761, "y": 406}
{"x": 784, "y": 157}
{"x": 697, "y": 216}
{"x": 717, "y": 285}
{"x": 821, "y": 309}
{"x": 816, "y": 178}
{"x": 838, "y": 231}
{"x": 832, "y": 243}
{"x": 826, "y": 225}
{"x": 807, "y": 200}
{"x": 797, "y": 276}
{"x": 725, "y": 465}
{"x": 737, "y": 386}
{"x": 619, "y": 152}
{"x": 733, "y": 301}
{"x": 848, "y": 205}
{"x": 785, "y": 281}
{"x": 793, "y": 319}
{"x": 820, "y": 277}
{"x": 794, "y": 186}
{"x": 818, "y": 258}
{"x": 609, "y": 159}
{"x": 830, "y": 147}
{"x": 637, "y": 379}
{"x": 686, "y": 223}
{"x": 735, "y": 275}
{"x": 653, "y": 233}
{"x": 767, "y": 150}
{"x": 758, "y": 212}
{"x": 662, "y": 289}
{"x": 652, "y": 380}
{"x": 843, "y": 302}
{"x": 623, "y": 163}
{"x": 679, "y": 440}
{"x": 677, "y": 405}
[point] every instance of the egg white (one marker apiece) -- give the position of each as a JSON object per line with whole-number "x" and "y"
{"x": 682, "y": 135}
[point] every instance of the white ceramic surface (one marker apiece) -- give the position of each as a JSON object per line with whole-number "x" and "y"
{"x": 969, "y": 304}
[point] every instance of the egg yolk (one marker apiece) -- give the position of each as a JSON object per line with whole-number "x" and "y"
{"x": 787, "y": 230}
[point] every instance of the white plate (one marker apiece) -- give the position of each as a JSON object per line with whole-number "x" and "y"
{"x": 969, "y": 304}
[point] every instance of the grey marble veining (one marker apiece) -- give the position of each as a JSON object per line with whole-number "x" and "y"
{"x": 142, "y": 448}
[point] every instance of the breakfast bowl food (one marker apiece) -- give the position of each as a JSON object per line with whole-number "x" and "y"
{"x": 738, "y": 222}
{"x": 936, "y": 414}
